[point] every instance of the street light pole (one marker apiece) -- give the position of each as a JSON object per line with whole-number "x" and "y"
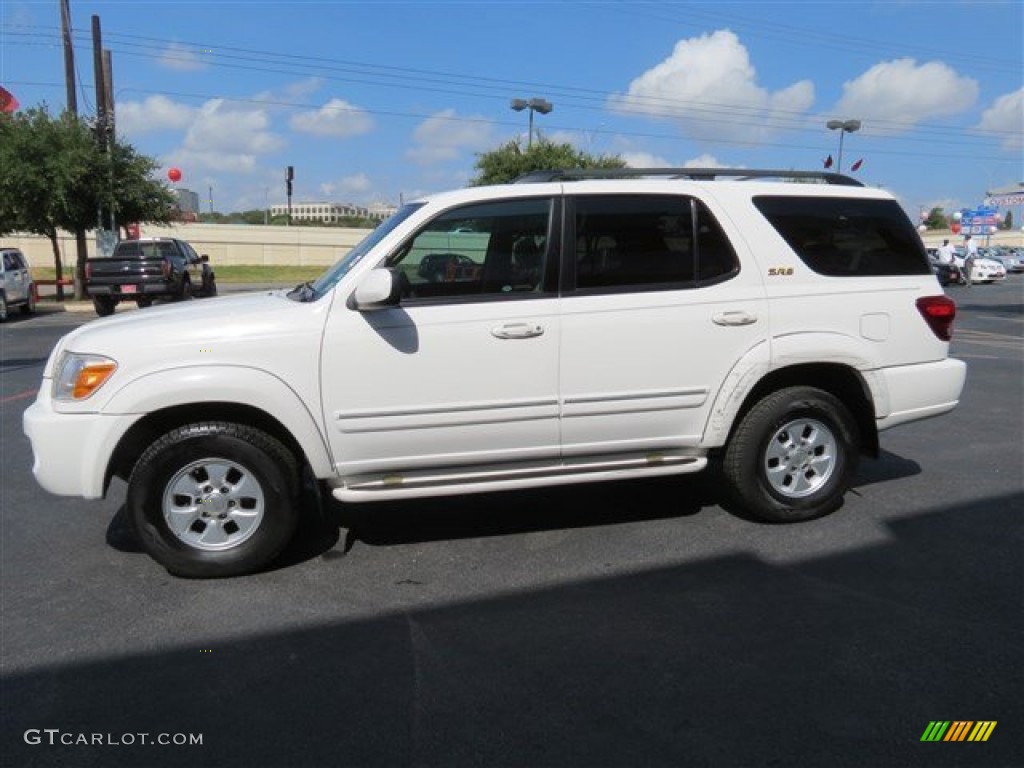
{"x": 534, "y": 105}
{"x": 843, "y": 126}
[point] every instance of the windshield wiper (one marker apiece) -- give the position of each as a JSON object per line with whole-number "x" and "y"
{"x": 302, "y": 292}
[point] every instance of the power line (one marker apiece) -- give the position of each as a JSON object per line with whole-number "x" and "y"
{"x": 483, "y": 87}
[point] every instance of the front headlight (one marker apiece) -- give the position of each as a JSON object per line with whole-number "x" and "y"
{"x": 78, "y": 376}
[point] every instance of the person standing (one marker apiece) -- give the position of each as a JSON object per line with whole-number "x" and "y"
{"x": 945, "y": 252}
{"x": 972, "y": 253}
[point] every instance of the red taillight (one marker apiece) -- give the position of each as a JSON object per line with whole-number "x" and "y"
{"x": 166, "y": 267}
{"x": 88, "y": 271}
{"x": 939, "y": 312}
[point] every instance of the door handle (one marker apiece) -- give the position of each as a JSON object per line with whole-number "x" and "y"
{"x": 734, "y": 317}
{"x": 517, "y": 331}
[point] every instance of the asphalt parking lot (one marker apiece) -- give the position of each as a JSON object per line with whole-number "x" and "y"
{"x": 609, "y": 625}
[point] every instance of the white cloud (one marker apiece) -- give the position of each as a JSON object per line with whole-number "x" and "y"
{"x": 225, "y": 138}
{"x": 155, "y": 113}
{"x": 193, "y": 161}
{"x": 183, "y": 58}
{"x": 575, "y": 138}
{"x": 706, "y": 161}
{"x": 337, "y": 118}
{"x": 709, "y": 88}
{"x": 644, "y": 160}
{"x": 1006, "y": 115}
{"x": 356, "y": 183}
{"x": 902, "y": 92}
{"x": 289, "y": 93}
{"x": 445, "y": 136}
{"x": 219, "y": 127}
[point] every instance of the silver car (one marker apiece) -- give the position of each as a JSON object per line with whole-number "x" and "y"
{"x": 16, "y": 287}
{"x": 1011, "y": 258}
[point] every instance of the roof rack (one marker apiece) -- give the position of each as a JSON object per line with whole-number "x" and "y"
{"x": 692, "y": 174}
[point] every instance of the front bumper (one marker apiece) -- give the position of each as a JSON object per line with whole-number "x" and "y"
{"x": 71, "y": 451}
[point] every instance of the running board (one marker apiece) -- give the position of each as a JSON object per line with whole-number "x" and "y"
{"x": 450, "y": 482}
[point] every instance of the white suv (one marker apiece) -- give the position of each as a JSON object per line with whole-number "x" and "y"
{"x": 563, "y": 330}
{"x": 16, "y": 288}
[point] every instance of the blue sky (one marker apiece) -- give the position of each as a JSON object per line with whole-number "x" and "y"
{"x": 379, "y": 101}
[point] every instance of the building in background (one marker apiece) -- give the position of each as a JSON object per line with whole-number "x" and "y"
{"x": 188, "y": 201}
{"x": 379, "y": 211}
{"x": 329, "y": 213}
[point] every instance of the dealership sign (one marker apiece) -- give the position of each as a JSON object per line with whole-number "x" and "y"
{"x": 1002, "y": 201}
{"x": 979, "y": 221}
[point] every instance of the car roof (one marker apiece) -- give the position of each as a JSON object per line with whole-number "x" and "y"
{"x": 736, "y": 189}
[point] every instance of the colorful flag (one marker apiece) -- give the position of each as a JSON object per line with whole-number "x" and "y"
{"x": 7, "y": 101}
{"x": 828, "y": 161}
{"x": 856, "y": 166}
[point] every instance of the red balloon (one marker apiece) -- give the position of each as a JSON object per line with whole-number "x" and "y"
{"x": 174, "y": 174}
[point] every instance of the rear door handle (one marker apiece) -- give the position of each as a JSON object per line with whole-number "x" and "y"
{"x": 517, "y": 331}
{"x": 734, "y": 317}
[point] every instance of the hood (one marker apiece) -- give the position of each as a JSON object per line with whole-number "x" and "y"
{"x": 221, "y": 328}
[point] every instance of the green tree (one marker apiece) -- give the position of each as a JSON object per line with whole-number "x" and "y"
{"x": 511, "y": 160}
{"x": 133, "y": 192}
{"x": 55, "y": 176}
{"x": 936, "y": 219}
{"x": 48, "y": 176}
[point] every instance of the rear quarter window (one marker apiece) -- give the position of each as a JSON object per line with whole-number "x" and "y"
{"x": 843, "y": 237}
{"x": 136, "y": 249}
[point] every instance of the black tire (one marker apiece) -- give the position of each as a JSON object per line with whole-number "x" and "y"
{"x": 211, "y": 287}
{"x": 3, "y": 308}
{"x": 144, "y": 302}
{"x": 29, "y": 307}
{"x": 248, "y": 482}
{"x": 104, "y": 305}
{"x": 793, "y": 456}
{"x": 186, "y": 290}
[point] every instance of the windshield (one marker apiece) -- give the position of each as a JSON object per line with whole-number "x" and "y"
{"x": 330, "y": 278}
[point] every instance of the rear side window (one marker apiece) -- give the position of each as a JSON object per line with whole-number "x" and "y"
{"x": 648, "y": 242}
{"x": 843, "y": 237}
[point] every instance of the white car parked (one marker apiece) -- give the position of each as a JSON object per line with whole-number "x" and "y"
{"x": 985, "y": 270}
{"x": 567, "y": 329}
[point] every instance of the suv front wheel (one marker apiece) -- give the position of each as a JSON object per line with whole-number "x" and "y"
{"x": 214, "y": 499}
{"x": 793, "y": 456}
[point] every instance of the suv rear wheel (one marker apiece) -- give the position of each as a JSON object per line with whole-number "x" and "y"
{"x": 214, "y": 499}
{"x": 793, "y": 456}
{"x": 104, "y": 305}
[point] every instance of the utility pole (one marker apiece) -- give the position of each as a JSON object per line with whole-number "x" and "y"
{"x": 69, "y": 57}
{"x": 211, "y": 200}
{"x": 105, "y": 238}
{"x": 108, "y": 93}
{"x": 81, "y": 248}
{"x": 289, "y": 176}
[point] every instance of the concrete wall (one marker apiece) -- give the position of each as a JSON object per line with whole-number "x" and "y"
{"x": 1013, "y": 238}
{"x": 224, "y": 243}
{"x": 271, "y": 246}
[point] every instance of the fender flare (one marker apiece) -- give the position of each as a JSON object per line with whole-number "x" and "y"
{"x": 786, "y": 352}
{"x": 252, "y": 387}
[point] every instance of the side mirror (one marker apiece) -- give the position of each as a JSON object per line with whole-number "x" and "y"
{"x": 204, "y": 258}
{"x": 379, "y": 289}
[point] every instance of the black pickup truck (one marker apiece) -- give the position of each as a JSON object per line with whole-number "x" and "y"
{"x": 143, "y": 270}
